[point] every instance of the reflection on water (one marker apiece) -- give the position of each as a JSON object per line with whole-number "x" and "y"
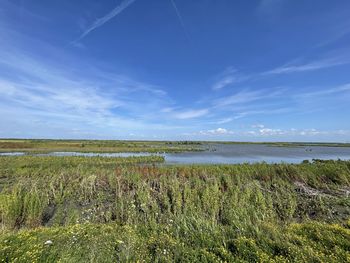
{"x": 230, "y": 153}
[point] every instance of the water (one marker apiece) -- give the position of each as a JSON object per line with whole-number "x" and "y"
{"x": 122, "y": 154}
{"x": 241, "y": 153}
{"x": 231, "y": 154}
{"x": 12, "y": 154}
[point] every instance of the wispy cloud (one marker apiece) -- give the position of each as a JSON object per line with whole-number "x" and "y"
{"x": 247, "y": 96}
{"x": 325, "y": 92}
{"x": 270, "y": 7}
{"x": 335, "y": 35}
{"x": 260, "y": 126}
{"x": 178, "y": 14}
{"x": 229, "y": 77}
{"x": 218, "y": 131}
{"x": 101, "y": 21}
{"x": 263, "y": 112}
{"x": 273, "y": 132}
{"x": 212, "y": 132}
{"x": 268, "y": 133}
{"x": 225, "y": 120}
{"x": 335, "y": 27}
{"x": 240, "y": 97}
{"x": 310, "y": 66}
{"x": 226, "y": 78}
{"x": 226, "y": 81}
{"x": 41, "y": 94}
{"x": 190, "y": 114}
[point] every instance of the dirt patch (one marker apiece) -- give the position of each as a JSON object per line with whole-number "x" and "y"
{"x": 310, "y": 191}
{"x": 307, "y": 190}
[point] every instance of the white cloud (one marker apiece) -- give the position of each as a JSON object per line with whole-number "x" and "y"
{"x": 228, "y": 77}
{"x": 190, "y": 114}
{"x": 226, "y": 81}
{"x": 247, "y": 97}
{"x": 226, "y": 120}
{"x": 268, "y": 132}
{"x": 56, "y": 99}
{"x": 239, "y": 98}
{"x": 260, "y": 126}
{"x": 213, "y": 132}
{"x": 219, "y": 131}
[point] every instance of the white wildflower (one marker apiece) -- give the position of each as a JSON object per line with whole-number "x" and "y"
{"x": 48, "y": 242}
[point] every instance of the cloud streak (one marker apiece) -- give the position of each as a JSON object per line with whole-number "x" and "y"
{"x": 224, "y": 82}
{"x": 247, "y": 96}
{"x": 311, "y": 66}
{"x": 340, "y": 89}
{"x": 226, "y": 78}
{"x": 101, "y": 21}
{"x": 190, "y": 114}
{"x": 42, "y": 98}
{"x": 180, "y": 20}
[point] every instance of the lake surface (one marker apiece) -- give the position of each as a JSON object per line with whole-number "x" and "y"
{"x": 240, "y": 153}
{"x": 231, "y": 154}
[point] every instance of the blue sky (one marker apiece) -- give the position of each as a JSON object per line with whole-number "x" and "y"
{"x": 260, "y": 70}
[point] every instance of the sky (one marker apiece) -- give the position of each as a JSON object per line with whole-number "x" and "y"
{"x": 258, "y": 70}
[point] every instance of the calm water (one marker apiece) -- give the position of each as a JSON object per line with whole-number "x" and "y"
{"x": 240, "y": 153}
{"x": 234, "y": 153}
{"x": 12, "y": 154}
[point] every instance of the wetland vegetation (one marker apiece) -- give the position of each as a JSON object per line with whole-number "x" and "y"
{"x": 45, "y": 146}
{"x": 115, "y": 146}
{"x": 96, "y": 209}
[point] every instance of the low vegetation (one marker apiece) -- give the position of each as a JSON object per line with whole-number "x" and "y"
{"x": 76, "y": 209}
{"x": 115, "y": 146}
{"x": 44, "y": 146}
{"x": 288, "y": 144}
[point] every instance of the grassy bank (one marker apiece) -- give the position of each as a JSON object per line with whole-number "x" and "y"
{"x": 127, "y": 209}
{"x": 44, "y": 146}
{"x": 107, "y": 146}
{"x": 285, "y": 144}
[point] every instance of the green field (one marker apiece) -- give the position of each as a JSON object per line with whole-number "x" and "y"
{"x": 44, "y": 146}
{"x": 78, "y": 209}
{"x": 115, "y": 146}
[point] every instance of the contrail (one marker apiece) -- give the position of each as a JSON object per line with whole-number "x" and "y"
{"x": 100, "y": 21}
{"x": 180, "y": 19}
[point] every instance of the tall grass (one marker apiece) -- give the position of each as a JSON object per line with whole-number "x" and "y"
{"x": 247, "y": 212}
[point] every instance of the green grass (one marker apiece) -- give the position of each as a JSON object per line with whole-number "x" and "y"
{"x": 132, "y": 209}
{"x": 44, "y": 146}
{"x": 284, "y": 144}
{"x": 196, "y": 242}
